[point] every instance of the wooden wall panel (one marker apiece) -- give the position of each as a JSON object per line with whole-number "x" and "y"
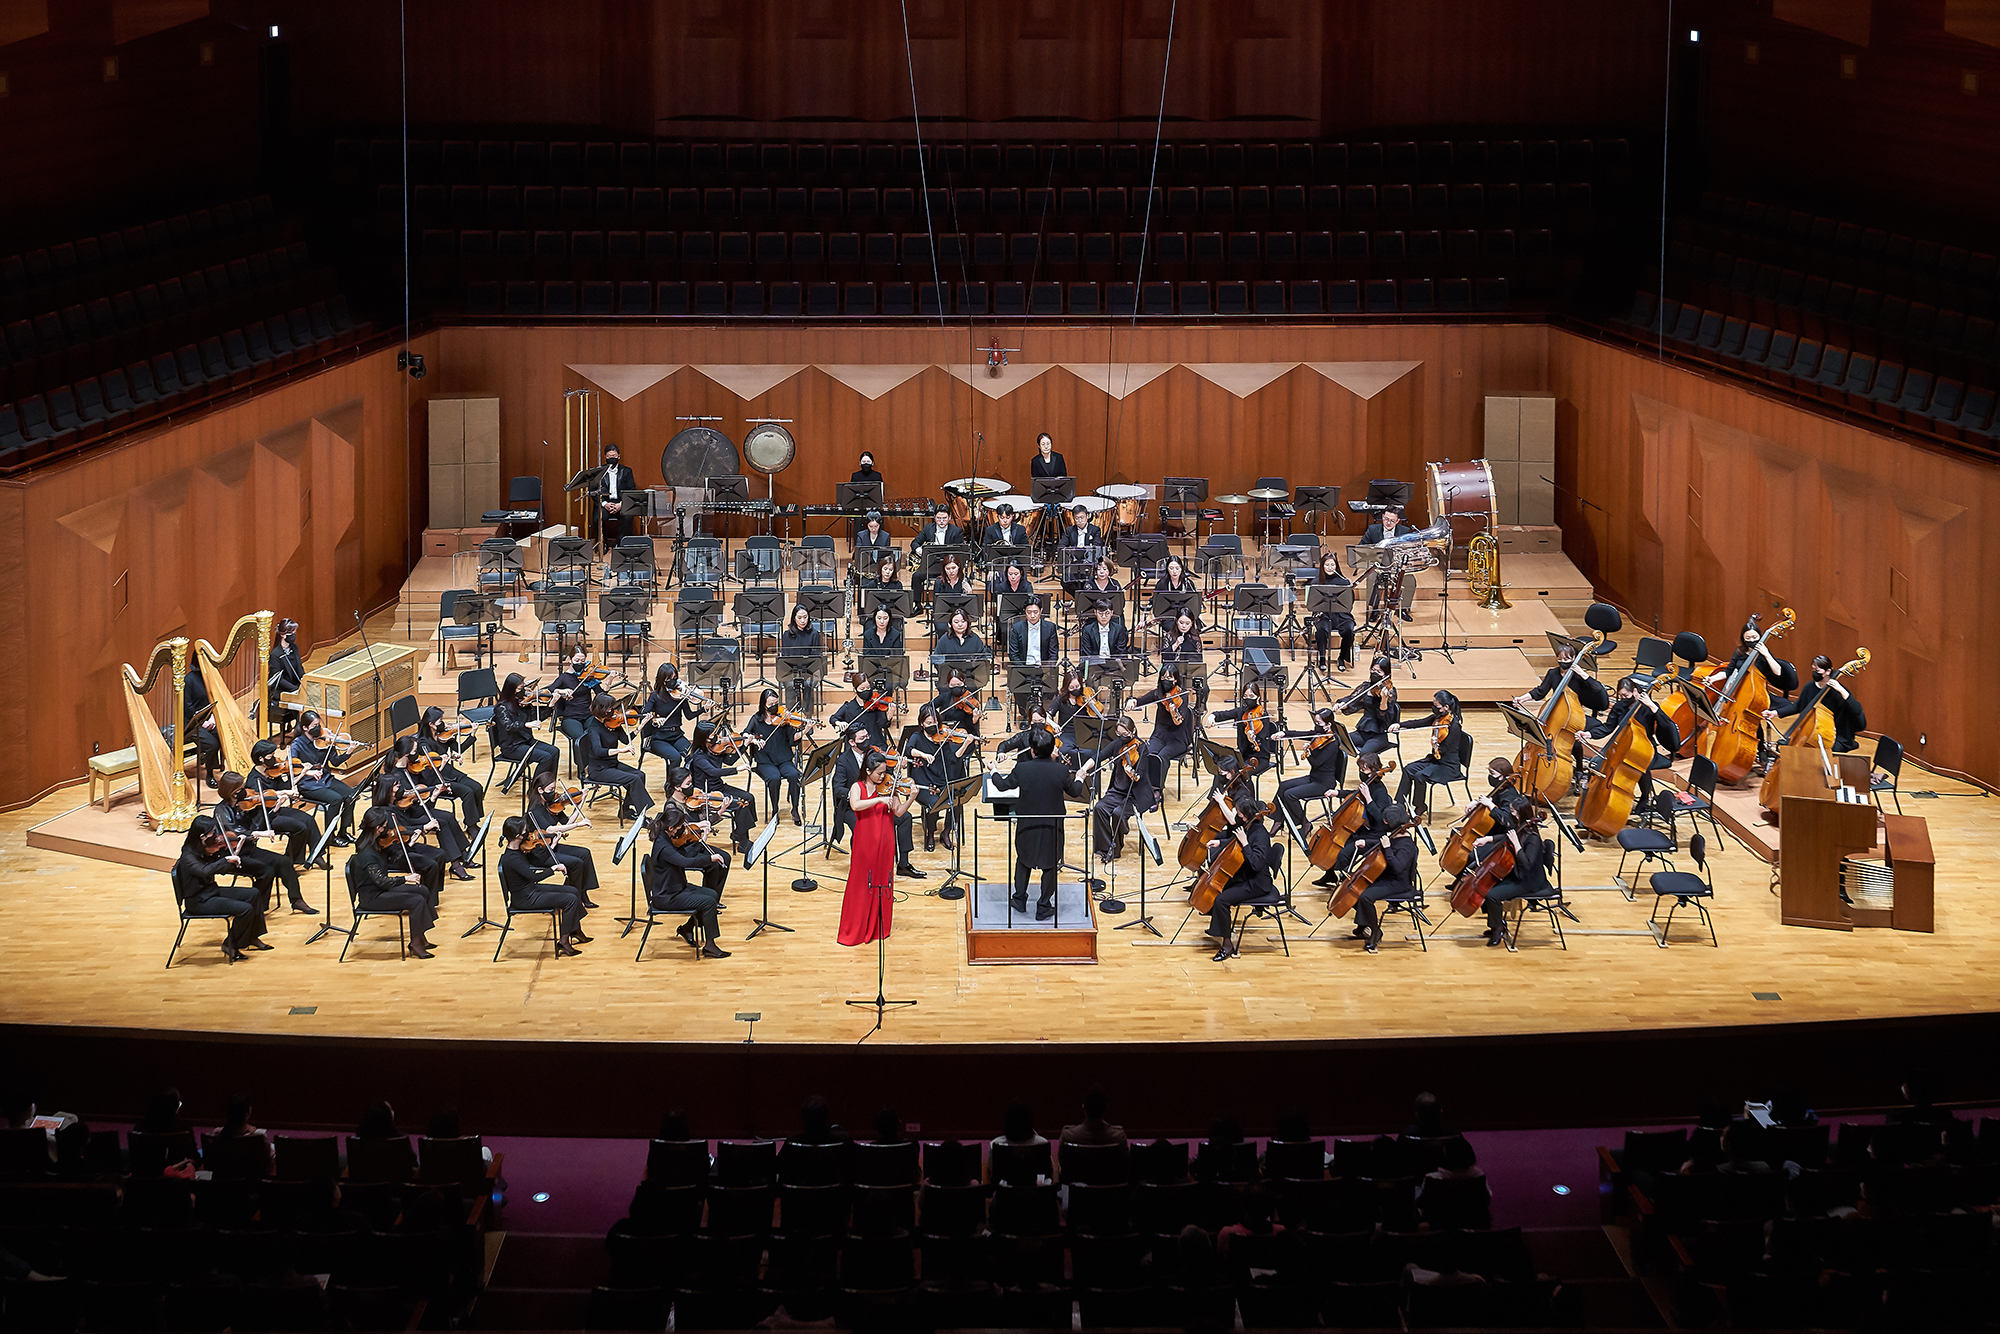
{"x": 262, "y": 504}
{"x": 1870, "y": 540}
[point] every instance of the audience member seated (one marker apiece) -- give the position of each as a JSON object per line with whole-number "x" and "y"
{"x": 1094, "y": 1129}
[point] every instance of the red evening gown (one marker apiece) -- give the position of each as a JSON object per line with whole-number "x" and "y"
{"x": 874, "y": 854}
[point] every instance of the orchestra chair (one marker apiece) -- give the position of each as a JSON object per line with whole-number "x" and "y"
{"x": 510, "y": 886}
{"x": 188, "y": 914}
{"x": 1464, "y": 779}
{"x": 1651, "y": 657}
{"x": 1696, "y": 802}
{"x": 651, "y": 919}
{"x": 1272, "y": 905}
{"x": 402, "y": 916}
{"x": 1688, "y": 890}
{"x": 1551, "y": 903}
{"x": 481, "y": 690}
{"x": 1410, "y": 905}
{"x": 451, "y": 635}
{"x": 1649, "y": 843}
{"x": 525, "y": 493}
{"x": 404, "y": 716}
{"x": 1886, "y": 774}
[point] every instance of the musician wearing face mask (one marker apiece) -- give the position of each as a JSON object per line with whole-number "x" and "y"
{"x": 1173, "y": 716}
{"x": 384, "y": 882}
{"x": 1250, "y": 881}
{"x": 412, "y": 797}
{"x": 403, "y": 857}
{"x": 1375, "y": 817}
{"x": 1513, "y": 821}
{"x": 524, "y": 868}
{"x": 514, "y": 729}
{"x": 957, "y": 703}
{"x": 1446, "y": 730}
{"x": 679, "y": 849}
{"x": 1400, "y": 876}
{"x": 847, "y": 771}
{"x": 1378, "y": 709}
{"x": 206, "y": 855}
{"x": 776, "y": 758}
{"x": 612, "y": 486}
{"x": 319, "y": 758}
{"x": 1849, "y": 719}
{"x": 602, "y": 755}
{"x": 714, "y": 760}
{"x": 432, "y": 741}
{"x": 285, "y": 669}
{"x": 1326, "y": 768}
{"x": 926, "y": 749}
{"x": 668, "y": 707}
{"x": 1633, "y": 698}
{"x": 556, "y": 812}
{"x": 1256, "y": 735}
{"x": 574, "y": 695}
{"x": 1128, "y": 789}
{"x": 243, "y": 824}
{"x": 869, "y": 710}
{"x": 1590, "y": 692}
{"x": 275, "y": 772}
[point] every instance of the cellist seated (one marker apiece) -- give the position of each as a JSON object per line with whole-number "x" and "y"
{"x": 1249, "y": 881}
{"x": 1513, "y": 823}
{"x": 1398, "y": 877}
{"x": 1375, "y": 801}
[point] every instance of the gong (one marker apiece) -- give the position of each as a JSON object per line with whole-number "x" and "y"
{"x": 697, "y": 454}
{"x": 769, "y": 448}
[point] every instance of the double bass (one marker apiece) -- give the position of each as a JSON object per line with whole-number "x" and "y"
{"x": 1547, "y": 773}
{"x": 1731, "y": 745}
{"x": 1323, "y": 849}
{"x": 1607, "y": 801}
{"x": 1809, "y": 727}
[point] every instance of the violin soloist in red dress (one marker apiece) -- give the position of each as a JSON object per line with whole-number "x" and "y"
{"x": 865, "y": 911}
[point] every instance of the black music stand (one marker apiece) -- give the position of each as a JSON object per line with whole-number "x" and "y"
{"x": 630, "y": 565}
{"x": 862, "y": 496}
{"x": 1168, "y": 603}
{"x": 627, "y": 616}
{"x": 756, "y": 609}
{"x": 1323, "y": 600}
{"x": 1186, "y": 494}
{"x": 972, "y": 604}
{"x": 1320, "y": 501}
{"x": 1118, "y": 673}
{"x": 934, "y": 559}
{"x": 484, "y": 610}
{"x": 559, "y": 607}
{"x": 957, "y": 793}
{"x": 1141, "y": 553}
{"x": 476, "y": 842}
{"x": 1046, "y": 491}
{"x": 1262, "y": 665}
{"x": 718, "y": 666}
{"x": 1002, "y": 554}
{"x": 566, "y": 560}
{"x": 1010, "y": 607}
{"x": 892, "y": 671}
{"x": 802, "y": 674}
{"x": 811, "y": 561}
{"x": 881, "y": 1003}
{"x": 759, "y": 854}
{"x": 1030, "y": 681}
{"x": 697, "y": 613}
{"x": 731, "y": 488}
{"x": 897, "y": 600}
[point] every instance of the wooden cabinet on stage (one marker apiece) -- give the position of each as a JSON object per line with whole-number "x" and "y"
{"x": 354, "y": 693}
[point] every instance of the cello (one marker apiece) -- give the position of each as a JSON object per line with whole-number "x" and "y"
{"x": 1226, "y": 862}
{"x": 1367, "y": 869}
{"x": 1194, "y": 844}
{"x": 1475, "y": 824}
{"x": 1468, "y": 895}
{"x": 1731, "y": 745}
{"x": 1547, "y": 773}
{"x": 1806, "y": 733}
{"x": 1323, "y": 849}
{"x": 1607, "y": 801}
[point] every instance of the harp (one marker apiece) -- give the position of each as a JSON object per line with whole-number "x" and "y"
{"x": 231, "y": 678}
{"x": 156, "y": 713}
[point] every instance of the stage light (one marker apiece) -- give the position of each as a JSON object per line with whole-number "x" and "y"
{"x": 1694, "y": 34}
{"x": 274, "y": 30}
{"x": 1560, "y": 1190}
{"x": 542, "y": 1196}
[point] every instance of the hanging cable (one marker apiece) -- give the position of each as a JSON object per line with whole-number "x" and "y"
{"x": 930, "y": 227}
{"x": 1145, "y": 241}
{"x": 403, "y": 78}
{"x": 1666, "y": 135}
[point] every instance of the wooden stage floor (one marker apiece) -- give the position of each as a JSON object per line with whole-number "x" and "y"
{"x": 82, "y": 943}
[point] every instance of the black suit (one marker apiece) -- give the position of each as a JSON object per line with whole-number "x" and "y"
{"x": 1082, "y": 535}
{"x": 521, "y": 877}
{"x": 1017, "y": 642}
{"x": 613, "y": 484}
{"x": 1038, "y": 843}
{"x": 933, "y": 536}
{"x": 201, "y": 895}
{"x": 1102, "y": 641}
{"x": 1375, "y": 535}
{"x": 1013, "y": 535}
{"x": 1052, "y": 466}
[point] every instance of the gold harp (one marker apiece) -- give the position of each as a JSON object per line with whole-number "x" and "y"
{"x": 237, "y": 730}
{"x": 163, "y": 785}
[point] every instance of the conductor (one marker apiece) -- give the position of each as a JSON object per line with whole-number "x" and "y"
{"x": 1043, "y": 782}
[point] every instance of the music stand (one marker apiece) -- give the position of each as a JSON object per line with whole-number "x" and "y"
{"x": 1093, "y": 734}
{"x": 319, "y": 854}
{"x": 862, "y": 496}
{"x": 476, "y": 609}
{"x": 1119, "y": 673}
{"x": 1320, "y": 501}
{"x": 1012, "y": 606}
{"x": 630, "y": 565}
{"x": 1388, "y": 493}
{"x": 1024, "y": 680}
{"x": 734, "y": 487}
{"x": 972, "y": 604}
{"x": 1169, "y": 603}
{"x": 626, "y": 617}
{"x": 897, "y": 600}
{"x": 957, "y": 792}
{"x": 893, "y": 671}
{"x": 1051, "y": 490}
{"x": 759, "y": 614}
{"x": 815, "y": 561}
{"x": 754, "y": 857}
{"x": 802, "y": 674}
{"x": 697, "y": 613}
{"x": 1262, "y": 666}
{"x": 1186, "y": 495}
{"x": 1002, "y": 554}
{"x": 934, "y": 559}
{"x": 559, "y": 607}
{"x": 476, "y": 842}
{"x": 1324, "y": 600}
{"x": 1141, "y": 553}
{"x": 566, "y": 560}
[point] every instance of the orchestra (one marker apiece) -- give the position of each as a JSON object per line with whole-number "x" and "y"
{"x": 1141, "y": 691}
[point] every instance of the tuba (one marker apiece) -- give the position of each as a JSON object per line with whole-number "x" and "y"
{"x": 1482, "y": 573}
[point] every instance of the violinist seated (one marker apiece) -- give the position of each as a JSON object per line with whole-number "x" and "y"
{"x": 1006, "y": 530}
{"x": 1128, "y": 791}
{"x": 1447, "y": 734}
{"x": 1590, "y": 692}
{"x": 928, "y": 748}
{"x": 273, "y": 780}
{"x": 778, "y": 733}
{"x": 1398, "y": 878}
{"x": 385, "y": 881}
{"x": 1252, "y": 880}
{"x": 524, "y": 867}
{"x": 514, "y": 729}
{"x": 1512, "y": 821}
{"x": 1256, "y": 738}
{"x": 1326, "y": 767}
{"x": 1173, "y": 715}
{"x": 556, "y": 811}
{"x": 205, "y": 855}
{"x": 1375, "y": 803}
{"x": 239, "y": 814}
{"x": 958, "y": 641}
{"x": 602, "y": 754}
{"x": 716, "y": 750}
{"x": 1031, "y": 641}
{"x": 957, "y": 703}
{"x": 1849, "y": 719}
{"x": 667, "y": 707}
{"x": 575, "y": 691}
{"x": 1378, "y": 709}
{"x": 320, "y": 757}
{"x": 1633, "y": 697}
{"x": 847, "y": 771}
{"x": 409, "y": 795}
{"x": 883, "y": 637}
{"x": 1063, "y": 750}
{"x": 1103, "y": 635}
{"x": 869, "y": 710}
{"x": 1038, "y": 829}
{"x": 679, "y": 847}
{"x": 438, "y": 739}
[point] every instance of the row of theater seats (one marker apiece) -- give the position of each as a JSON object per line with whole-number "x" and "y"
{"x": 604, "y": 298}
{"x": 1431, "y": 203}
{"x": 1799, "y": 1226}
{"x": 83, "y": 266}
{"x": 1058, "y": 256}
{"x": 58, "y": 346}
{"x": 44, "y": 423}
{"x": 596, "y": 162}
{"x": 1888, "y": 390}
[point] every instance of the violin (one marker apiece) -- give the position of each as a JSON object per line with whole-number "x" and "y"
{"x": 388, "y": 835}
{"x": 786, "y": 718}
{"x": 690, "y": 832}
{"x": 559, "y": 798}
{"x": 964, "y": 740}
{"x": 1128, "y": 758}
{"x": 622, "y": 716}
{"x": 1324, "y": 738}
{"x": 1175, "y": 703}
{"x": 896, "y": 785}
{"x": 532, "y": 838}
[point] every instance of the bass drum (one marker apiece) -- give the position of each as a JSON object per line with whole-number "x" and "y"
{"x": 1463, "y": 494}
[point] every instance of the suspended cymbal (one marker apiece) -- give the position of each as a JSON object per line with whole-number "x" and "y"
{"x": 1232, "y": 499}
{"x": 1269, "y": 493}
